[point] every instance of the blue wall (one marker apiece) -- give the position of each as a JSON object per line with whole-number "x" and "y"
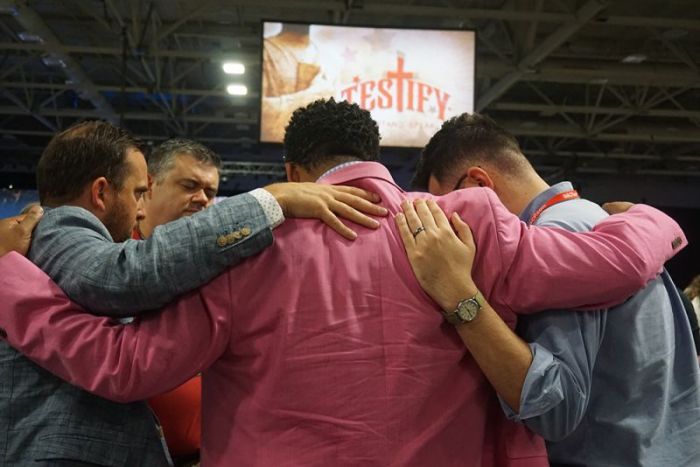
{"x": 12, "y": 201}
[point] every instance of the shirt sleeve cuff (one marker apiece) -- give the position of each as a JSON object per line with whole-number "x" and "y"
{"x": 270, "y": 206}
{"x": 541, "y": 389}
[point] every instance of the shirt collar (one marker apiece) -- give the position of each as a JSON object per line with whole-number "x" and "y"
{"x": 543, "y": 197}
{"x": 337, "y": 168}
{"x": 361, "y": 169}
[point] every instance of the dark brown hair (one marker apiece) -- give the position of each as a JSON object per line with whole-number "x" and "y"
{"x": 77, "y": 156}
{"x": 473, "y": 139}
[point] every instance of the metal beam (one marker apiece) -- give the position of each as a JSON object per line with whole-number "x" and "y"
{"x": 586, "y": 109}
{"x": 597, "y": 72}
{"x": 608, "y": 155}
{"x": 403, "y": 9}
{"x": 553, "y": 70}
{"x": 549, "y": 72}
{"x": 456, "y": 13}
{"x": 640, "y": 134}
{"x": 143, "y": 116}
{"x": 23, "y": 108}
{"x": 253, "y": 168}
{"x": 146, "y": 137}
{"x": 246, "y": 57}
{"x": 79, "y": 80}
{"x": 187, "y": 17}
{"x": 531, "y": 33}
{"x": 558, "y": 37}
{"x": 234, "y": 100}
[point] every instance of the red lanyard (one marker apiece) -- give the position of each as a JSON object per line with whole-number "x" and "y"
{"x": 565, "y": 196}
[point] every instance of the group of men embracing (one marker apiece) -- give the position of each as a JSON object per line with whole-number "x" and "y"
{"x": 460, "y": 327}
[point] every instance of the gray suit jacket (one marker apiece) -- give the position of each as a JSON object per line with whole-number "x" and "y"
{"x": 45, "y": 418}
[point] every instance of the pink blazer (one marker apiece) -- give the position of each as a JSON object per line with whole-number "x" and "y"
{"x": 322, "y": 351}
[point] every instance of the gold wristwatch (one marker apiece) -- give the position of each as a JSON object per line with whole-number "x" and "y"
{"x": 466, "y": 310}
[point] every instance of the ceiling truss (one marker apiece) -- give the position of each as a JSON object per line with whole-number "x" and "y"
{"x": 554, "y": 72}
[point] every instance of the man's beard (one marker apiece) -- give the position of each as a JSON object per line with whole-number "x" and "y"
{"x": 118, "y": 223}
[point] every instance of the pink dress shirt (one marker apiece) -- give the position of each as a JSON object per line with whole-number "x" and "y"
{"x": 322, "y": 351}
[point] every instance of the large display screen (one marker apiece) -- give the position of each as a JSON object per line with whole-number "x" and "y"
{"x": 411, "y": 80}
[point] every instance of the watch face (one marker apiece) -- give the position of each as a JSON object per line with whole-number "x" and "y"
{"x": 468, "y": 309}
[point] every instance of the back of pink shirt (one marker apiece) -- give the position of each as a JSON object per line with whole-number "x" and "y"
{"x": 322, "y": 351}
{"x": 337, "y": 357}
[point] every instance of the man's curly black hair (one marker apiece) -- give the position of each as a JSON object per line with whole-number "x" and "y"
{"x": 325, "y": 130}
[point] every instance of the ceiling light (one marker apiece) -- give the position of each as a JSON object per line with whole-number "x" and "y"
{"x": 233, "y": 68}
{"x": 25, "y": 36}
{"x": 53, "y": 60}
{"x": 634, "y": 59}
{"x": 236, "y": 89}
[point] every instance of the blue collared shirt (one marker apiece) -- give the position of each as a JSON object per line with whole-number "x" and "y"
{"x": 619, "y": 387}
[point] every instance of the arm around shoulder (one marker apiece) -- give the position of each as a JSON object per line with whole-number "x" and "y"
{"x": 546, "y": 268}
{"x": 124, "y": 279}
{"x": 119, "y": 362}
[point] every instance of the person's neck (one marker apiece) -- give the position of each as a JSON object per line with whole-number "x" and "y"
{"x": 144, "y": 228}
{"x": 82, "y": 201}
{"x": 519, "y": 195}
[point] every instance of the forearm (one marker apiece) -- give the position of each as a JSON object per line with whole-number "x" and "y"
{"x": 503, "y": 357}
{"x": 585, "y": 270}
{"x": 125, "y": 278}
{"x": 118, "y": 362}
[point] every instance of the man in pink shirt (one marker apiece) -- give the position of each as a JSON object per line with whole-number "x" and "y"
{"x": 322, "y": 351}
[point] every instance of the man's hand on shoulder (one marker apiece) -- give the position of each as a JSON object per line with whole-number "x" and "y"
{"x": 441, "y": 259}
{"x": 617, "y": 207}
{"x": 16, "y": 232}
{"x": 328, "y": 203}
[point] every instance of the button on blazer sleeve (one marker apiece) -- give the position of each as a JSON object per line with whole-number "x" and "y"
{"x": 122, "y": 279}
{"x": 537, "y": 268}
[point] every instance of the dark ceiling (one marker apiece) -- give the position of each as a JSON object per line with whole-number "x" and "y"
{"x": 607, "y": 92}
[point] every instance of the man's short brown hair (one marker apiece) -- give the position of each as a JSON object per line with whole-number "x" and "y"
{"x": 472, "y": 139}
{"x": 77, "y": 156}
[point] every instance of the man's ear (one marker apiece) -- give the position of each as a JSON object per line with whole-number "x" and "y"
{"x": 100, "y": 191}
{"x": 480, "y": 177}
{"x": 293, "y": 174}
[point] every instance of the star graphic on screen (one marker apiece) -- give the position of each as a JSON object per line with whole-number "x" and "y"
{"x": 381, "y": 38}
{"x": 349, "y": 54}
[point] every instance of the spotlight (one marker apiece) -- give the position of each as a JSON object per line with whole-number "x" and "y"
{"x": 634, "y": 59}
{"x": 236, "y": 89}
{"x": 233, "y": 68}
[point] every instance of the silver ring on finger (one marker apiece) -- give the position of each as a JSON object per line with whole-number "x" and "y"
{"x": 418, "y": 230}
